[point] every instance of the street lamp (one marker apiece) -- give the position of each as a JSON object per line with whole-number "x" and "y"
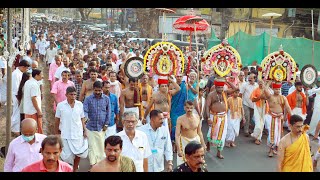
{"x": 271, "y": 15}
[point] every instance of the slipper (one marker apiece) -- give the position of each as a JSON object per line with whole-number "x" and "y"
{"x": 220, "y": 156}
{"x": 270, "y": 154}
{"x": 228, "y": 145}
{"x": 315, "y": 138}
{"x": 257, "y": 142}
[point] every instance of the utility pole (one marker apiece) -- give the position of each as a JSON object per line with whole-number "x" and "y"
{"x": 9, "y": 79}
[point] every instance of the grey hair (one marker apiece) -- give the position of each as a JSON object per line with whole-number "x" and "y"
{"x": 130, "y": 113}
{"x": 78, "y": 72}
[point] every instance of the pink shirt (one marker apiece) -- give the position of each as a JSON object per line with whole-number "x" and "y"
{"x": 21, "y": 154}
{"x": 52, "y": 70}
{"x": 59, "y": 88}
{"x": 39, "y": 167}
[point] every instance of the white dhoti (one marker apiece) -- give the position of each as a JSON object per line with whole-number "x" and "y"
{"x": 218, "y": 130}
{"x": 273, "y": 123}
{"x": 112, "y": 130}
{"x": 233, "y": 128}
{"x": 259, "y": 113}
{"x": 145, "y": 104}
{"x": 298, "y": 111}
{"x": 15, "y": 117}
{"x": 183, "y": 143}
{"x": 96, "y": 146}
{"x": 74, "y": 147}
{"x": 136, "y": 110}
{"x": 3, "y": 89}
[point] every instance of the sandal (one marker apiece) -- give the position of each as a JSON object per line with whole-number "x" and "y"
{"x": 233, "y": 144}
{"x": 257, "y": 142}
{"x": 220, "y": 156}
{"x": 270, "y": 154}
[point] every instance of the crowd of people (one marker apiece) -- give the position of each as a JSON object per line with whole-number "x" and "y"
{"x": 125, "y": 124}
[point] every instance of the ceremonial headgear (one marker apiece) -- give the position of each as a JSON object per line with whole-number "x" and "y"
{"x": 163, "y": 80}
{"x": 276, "y": 85}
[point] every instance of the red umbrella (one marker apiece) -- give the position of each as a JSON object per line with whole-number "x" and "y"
{"x": 190, "y": 24}
{"x": 181, "y": 25}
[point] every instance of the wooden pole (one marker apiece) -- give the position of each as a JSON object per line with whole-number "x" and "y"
{"x": 198, "y": 60}
{"x": 9, "y": 80}
{"x": 269, "y": 46}
{"x": 312, "y": 38}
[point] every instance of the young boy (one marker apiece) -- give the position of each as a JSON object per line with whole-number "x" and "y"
{"x": 235, "y": 113}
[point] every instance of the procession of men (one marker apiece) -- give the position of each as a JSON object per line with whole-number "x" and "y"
{"x": 127, "y": 122}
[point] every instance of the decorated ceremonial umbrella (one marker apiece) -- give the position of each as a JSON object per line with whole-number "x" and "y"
{"x": 278, "y": 66}
{"x": 192, "y": 24}
{"x": 164, "y": 59}
{"x": 222, "y": 58}
{"x": 164, "y": 11}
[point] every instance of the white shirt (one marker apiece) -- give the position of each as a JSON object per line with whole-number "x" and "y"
{"x": 31, "y": 89}
{"x": 246, "y": 91}
{"x": 51, "y": 54}
{"x": 60, "y": 69}
{"x": 118, "y": 63}
{"x": 70, "y": 119}
{"x": 27, "y": 58}
{"x": 137, "y": 150}
{"x": 41, "y": 45}
{"x": 16, "y": 79}
{"x": 160, "y": 144}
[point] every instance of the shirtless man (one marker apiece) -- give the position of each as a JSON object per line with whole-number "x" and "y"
{"x": 298, "y": 101}
{"x": 130, "y": 99}
{"x": 146, "y": 95}
{"x": 273, "y": 119}
{"x": 114, "y": 162}
{"x": 216, "y": 109}
{"x": 188, "y": 129}
{"x": 87, "y": 85}
{"x": 162, "y": 100}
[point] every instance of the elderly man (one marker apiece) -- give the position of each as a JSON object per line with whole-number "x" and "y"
{"x": 51, "y": 148}
{"x": 97, "y": 109}
{"x": 70, "y": 124}
{"x": 135, "y": 145}
{"x": 114, "y": 161}
{"x": 24, "y": 149}
{"x": 194, "y": 153}
{"x": 159, "y": 141}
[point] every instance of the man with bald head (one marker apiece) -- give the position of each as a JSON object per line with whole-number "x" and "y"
{"x": 24, "y": 149}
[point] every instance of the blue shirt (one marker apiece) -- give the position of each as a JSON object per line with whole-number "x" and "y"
{"x": 34, "y": 38}
{"x": 191, "y": 95}
{"x": 285, "y": 88}
{"x": 98, "y": 111}
{"x": 114, "y": 107}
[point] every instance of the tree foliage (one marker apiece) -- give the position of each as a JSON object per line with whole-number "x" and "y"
{"x": 85, "y": 12}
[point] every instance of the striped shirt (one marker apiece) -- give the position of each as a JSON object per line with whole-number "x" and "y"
{"x": 285, "y": 88}
{"x": 97, "y": 111}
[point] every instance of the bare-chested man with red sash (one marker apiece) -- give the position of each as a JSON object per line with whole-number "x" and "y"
{"x": 274, "y": 118}
{"x": 216, "y": 108}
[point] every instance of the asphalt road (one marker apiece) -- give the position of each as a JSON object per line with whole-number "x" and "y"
{"x": 245, "y": 157}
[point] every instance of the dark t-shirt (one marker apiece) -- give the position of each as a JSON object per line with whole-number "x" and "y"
{"x": 185, "y": 168}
